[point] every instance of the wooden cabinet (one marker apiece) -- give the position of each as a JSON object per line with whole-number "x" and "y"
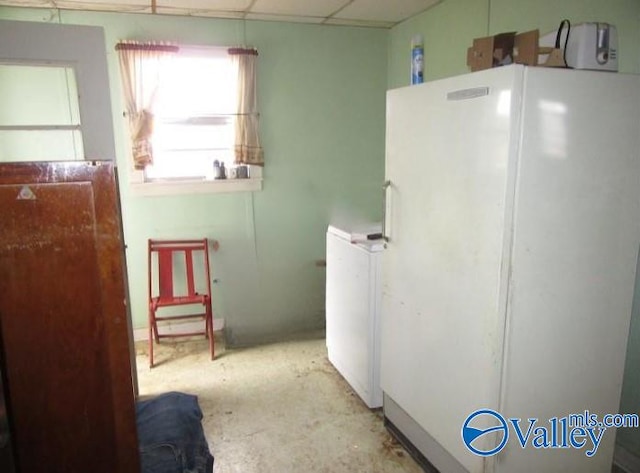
{"x": 63, "y": 319}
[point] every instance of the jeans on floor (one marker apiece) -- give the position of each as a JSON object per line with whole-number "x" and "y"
{"x": 170, "y": 435}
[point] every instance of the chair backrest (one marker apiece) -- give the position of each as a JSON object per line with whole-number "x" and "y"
{"x": 166, "y": 251}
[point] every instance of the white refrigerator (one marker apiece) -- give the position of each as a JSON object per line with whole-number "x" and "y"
{"x": 513, "y": 226}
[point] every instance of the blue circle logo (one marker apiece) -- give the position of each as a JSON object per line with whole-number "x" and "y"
{"x": 472, "y": 432}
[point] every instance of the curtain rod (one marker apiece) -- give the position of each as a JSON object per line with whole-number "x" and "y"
{"x": 247, "y": 51}
{"x": 135, "y": 46}
{"x": 147, "y": 47}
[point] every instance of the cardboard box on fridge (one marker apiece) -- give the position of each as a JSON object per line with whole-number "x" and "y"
{"x": 491, "y": 51}
{"x": 507, "y": 48}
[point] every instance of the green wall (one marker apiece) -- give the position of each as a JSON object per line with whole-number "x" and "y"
{"x": 449, "y": 29}
{"x": 321, "y": 95}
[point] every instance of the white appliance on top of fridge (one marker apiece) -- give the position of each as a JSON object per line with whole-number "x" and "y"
{"x": 513, "y": 226}
{"x": 353, "y": 307}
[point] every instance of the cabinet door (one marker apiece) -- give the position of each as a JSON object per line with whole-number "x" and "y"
{"x": 63, "y": 319}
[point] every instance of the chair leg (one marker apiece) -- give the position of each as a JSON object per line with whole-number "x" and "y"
{"x": 150, "y": 338}
{"x": 209, "y": 329}
{"x": 156, "y": 334}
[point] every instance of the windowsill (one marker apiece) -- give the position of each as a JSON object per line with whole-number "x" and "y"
{"x": 159, "y": 188}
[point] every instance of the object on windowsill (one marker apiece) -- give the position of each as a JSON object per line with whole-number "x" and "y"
{"x": 242, "y": 172}
{"x": 219, "y": 171}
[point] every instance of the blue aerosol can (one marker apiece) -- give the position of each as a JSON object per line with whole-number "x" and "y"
{"x": 417, "y": 60}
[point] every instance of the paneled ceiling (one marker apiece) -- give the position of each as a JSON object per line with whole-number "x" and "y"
{"x": 374, "y": 13}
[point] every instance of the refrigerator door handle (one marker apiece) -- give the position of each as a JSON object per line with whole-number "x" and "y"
{"x": 385, "y": 187}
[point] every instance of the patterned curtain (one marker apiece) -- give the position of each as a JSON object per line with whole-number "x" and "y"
{"x": 247, "y": 141}
{"x": 140, "y": 65}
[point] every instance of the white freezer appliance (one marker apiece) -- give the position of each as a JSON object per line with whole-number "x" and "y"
{"x": 353, "y": 308}
{"x": 513, "y": 222}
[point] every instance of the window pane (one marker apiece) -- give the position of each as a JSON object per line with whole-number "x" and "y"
{"x": 40, "y": 145}
{"x": 197, "y": 86}
{"x": 167, "y": 136}
{"x": 38, "y": 95}
{"x": 194, "y": 116}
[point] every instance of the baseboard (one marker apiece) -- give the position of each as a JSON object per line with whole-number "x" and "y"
{"x": 141, "y": 334}
{"x": 625, "y": 460}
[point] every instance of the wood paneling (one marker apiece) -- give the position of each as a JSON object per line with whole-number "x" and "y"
{"x": 63, "y": 318}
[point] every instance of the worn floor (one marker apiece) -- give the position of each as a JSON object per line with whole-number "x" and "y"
{"x": 276, "y": 408}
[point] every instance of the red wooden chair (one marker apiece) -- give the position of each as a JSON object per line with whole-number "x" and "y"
{"x": 169, "y": 260}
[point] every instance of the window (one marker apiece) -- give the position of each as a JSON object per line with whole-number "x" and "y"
{"x": 194, "y": 112}
{"x": 187, "y": 108}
